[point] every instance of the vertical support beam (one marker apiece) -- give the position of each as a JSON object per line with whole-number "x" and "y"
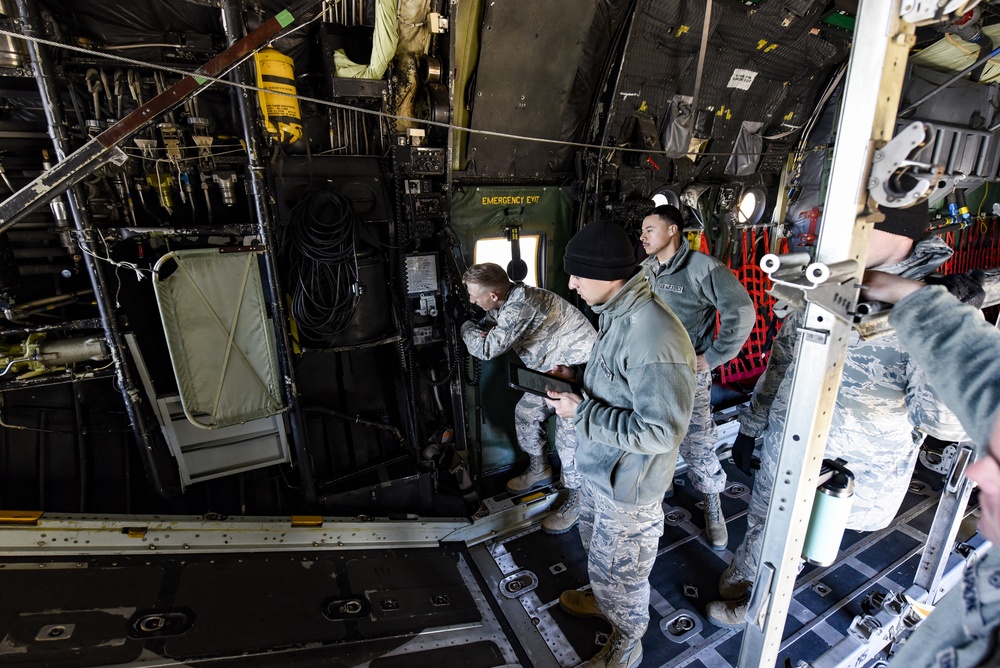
{"x": 457, "y": 385}
{"x": 45, "y": 75}
{"x": 947, "y": 519}
{"x": 880, "y": 48}
{"x": 235, "y": 28}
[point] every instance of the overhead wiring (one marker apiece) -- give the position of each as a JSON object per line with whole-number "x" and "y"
{"x": 371, "y": 112}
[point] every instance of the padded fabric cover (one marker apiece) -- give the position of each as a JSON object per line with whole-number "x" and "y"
{"x": 220, "y": 340}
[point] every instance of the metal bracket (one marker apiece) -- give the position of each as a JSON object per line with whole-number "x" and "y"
{"x": 893, "y": 161}
{"x": 797, "y": 280}
{"x": 820, "y": 336}
{"x": 941, "y": 463}
{"x": 932, "y": 11}
{"x": 885, "y": 623}
{"x": 437, "y": 23}
{"x": 962, "y": 460}
{"x": 760, "y": 595}
{"x": 945, "y": 185}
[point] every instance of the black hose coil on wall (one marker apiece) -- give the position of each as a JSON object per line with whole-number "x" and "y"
{"x": 319, "y": 253}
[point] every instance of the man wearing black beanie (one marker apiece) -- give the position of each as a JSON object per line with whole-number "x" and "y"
{"x": 638, "y": 393}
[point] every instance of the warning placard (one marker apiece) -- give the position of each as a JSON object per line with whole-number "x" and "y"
{"x": 741, "y": 79}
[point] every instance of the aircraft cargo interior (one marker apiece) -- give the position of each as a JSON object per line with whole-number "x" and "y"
{"x": 468, "y": 333}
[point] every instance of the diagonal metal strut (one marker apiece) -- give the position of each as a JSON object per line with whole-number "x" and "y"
{"x": 103, "y": 148}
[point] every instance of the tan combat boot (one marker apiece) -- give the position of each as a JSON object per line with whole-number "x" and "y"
{"x": 538, "y": 474}
{"x": 715, "y": 523}
{"x": 620, "y": 652}
{"x": 580, "y": 603}
{"x": 728, "y": 614}
{"x": 731, "y": 585}
{"x": 564, "y": 517}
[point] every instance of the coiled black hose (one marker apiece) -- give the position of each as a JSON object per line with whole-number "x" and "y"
{"x": 319, "y": 252}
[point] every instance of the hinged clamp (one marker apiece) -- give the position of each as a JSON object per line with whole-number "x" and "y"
{"x": 797, "y": 280}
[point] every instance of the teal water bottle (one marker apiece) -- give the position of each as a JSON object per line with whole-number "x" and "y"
{"x": 831, "y": 508}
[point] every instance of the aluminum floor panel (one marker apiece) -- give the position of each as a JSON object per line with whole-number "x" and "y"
{"x": 527, "y": 571}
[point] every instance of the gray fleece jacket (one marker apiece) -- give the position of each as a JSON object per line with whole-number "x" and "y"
{"x": 957, "y": 350}
{"x": 960, "y": 353}
{"x": 639, "y": 386}
{"x": 695, "y": 286}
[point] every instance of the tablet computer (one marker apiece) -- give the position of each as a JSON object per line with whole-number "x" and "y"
{"x": 536, "y": 382}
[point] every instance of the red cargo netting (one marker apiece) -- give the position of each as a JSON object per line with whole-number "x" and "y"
{"x": 752, "y": 359}
{"x": 976, "y": 247}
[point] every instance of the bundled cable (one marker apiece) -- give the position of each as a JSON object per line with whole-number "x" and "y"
{"x": 319, "y": 252}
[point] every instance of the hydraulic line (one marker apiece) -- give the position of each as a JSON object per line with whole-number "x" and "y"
{"x": 46, "y": 78}
{"x": 356, "y": 419}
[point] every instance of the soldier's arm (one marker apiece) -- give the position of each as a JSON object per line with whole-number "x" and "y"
{"x": 736, "y": 315}
{"x": 662, "y": 396}
{"x": 945, "y": 337}
{"x": 474, "y": 336}
{"x": 573, "y": 338}
{"x": 514, "y": 322}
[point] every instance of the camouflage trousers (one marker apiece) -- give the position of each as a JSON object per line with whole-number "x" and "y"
{"x": 698, "y": 447}
{"x": 875, "y": 485}
{"x": 530, "y": 416}
{"x": 621, "y": 542}
{"x": 747, "y": 555}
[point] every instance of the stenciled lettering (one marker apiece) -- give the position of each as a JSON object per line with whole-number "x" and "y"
{"x": 508, "y": 200}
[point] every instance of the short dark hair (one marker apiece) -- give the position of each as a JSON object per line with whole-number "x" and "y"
{"x": 669, "y": 214}
{"x": 488, "y": 275}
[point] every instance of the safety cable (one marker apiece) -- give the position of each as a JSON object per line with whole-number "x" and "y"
{"x": 705, "y": 29}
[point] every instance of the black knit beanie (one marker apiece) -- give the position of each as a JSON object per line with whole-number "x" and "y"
{"x": 910, "y": 222}
{"x": 600, "y": 251}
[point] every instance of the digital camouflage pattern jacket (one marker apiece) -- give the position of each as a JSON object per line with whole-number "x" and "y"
{"x": 540, "y": 326}
{"x": 884, "y": 408}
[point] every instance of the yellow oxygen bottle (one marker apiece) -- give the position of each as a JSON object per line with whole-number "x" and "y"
{"x": 276, "y": 72}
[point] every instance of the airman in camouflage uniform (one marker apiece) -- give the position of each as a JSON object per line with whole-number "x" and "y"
{"x": 639, "y": 387}
{"x": 696, "y": 287}
{"x": 960, "y": 353}
{"x": 545, "y": 331}
{"x": 619, "y": 569}
{"x": 884, "y": 409}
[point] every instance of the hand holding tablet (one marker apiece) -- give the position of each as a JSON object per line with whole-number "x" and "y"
{"x": 536, "y": 382}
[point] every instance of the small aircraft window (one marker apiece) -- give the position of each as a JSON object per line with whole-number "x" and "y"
{"x": 497, "y": 249}
{"x": 751, "y": 207}
{"x": 666, "y": 196}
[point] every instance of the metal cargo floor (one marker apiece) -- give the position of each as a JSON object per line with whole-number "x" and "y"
{"x": 527, "y": 572}
{"x": 376, "y": 608}
{"x": 256, "y": 593}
